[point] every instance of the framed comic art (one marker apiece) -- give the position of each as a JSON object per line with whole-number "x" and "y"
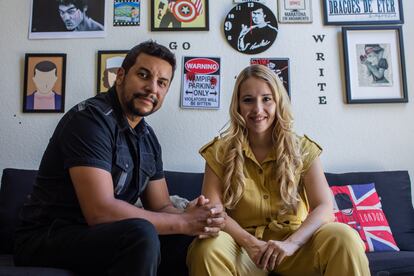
{"x": 374, "y": 64}
{"x": 295, "y": 11}
{"x": 44, "y": 83}
{"x": 127, "y": 13}
{"x": 179, "y": 15}
{"x": 280, "y": 66}
{"x": 67, "y": 19}
{"x": 371, "y": 12}
{"x": 108, "y": 64}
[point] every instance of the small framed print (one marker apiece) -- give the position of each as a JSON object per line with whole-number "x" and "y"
{"x": 371, "y": 12}
{"x": 181, "y": 15}
{"x": 295, "y": 11}
{"x": 44, "y": 83}
{"x": 280, "y": 66}
{"x": 127, "y": 13}
{"x": 374, "y": 64}
{"x": 108, "y": 65}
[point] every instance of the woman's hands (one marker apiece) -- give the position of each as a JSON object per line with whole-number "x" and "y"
{"x": 275, "y": 252}
{"x": 268, "y": 255}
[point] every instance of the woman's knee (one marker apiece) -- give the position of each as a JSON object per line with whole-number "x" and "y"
{"x": 340, "y": 236}
{"x": 211, "y": 248}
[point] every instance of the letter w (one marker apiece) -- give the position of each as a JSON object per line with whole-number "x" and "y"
{"x": 319, "y": 38}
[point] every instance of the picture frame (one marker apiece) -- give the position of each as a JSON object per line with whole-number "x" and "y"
{"x": 51, "y": 20}
{"x": 186, "y": 15}
{"x": 280, "y": 66}
{"x": 44, "y": 83}
{"x": 374, "y": 64}
{"x": 108, "y": 63}
{"x": 373, "y": 12}
{"x": 127, "y": 13}
{"x": 295, "y": 11}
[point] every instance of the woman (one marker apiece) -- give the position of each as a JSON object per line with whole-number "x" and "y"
{"x": 268, "y": 179}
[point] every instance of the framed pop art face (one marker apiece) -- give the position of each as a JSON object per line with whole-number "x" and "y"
{"x": 44, "y": 83}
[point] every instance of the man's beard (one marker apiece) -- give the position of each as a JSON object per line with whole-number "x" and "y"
{"x": 135, "y": 111}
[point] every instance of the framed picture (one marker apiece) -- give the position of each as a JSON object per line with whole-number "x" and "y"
{"x": 108, "y": 64}
{"x": 183, "y": 15}
{"x": 374, "y": 12}
{"x": 295, "y": 11}
{"x": 127, "y": 13}
{"x": 66, "y": 19}
{"x": 44, "y": 83}
{"x": 374, "y": 64}
{"x": 280, "y": 66}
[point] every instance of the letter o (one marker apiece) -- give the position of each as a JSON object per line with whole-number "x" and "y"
{"x": 186, "y": 45}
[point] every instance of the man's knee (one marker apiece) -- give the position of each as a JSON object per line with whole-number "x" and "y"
{"x": 141, "y": 235}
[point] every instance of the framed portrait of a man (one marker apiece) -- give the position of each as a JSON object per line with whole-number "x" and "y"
{"x": 44, "y": 83}
{"x": 67, "y": 19}
{"x": 179, "y": 15}
{"x": 374, "y": 64}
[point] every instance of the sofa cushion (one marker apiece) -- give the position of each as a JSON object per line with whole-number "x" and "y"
{"x": 16, "y": 184}
{"x": 184, "y": 184}
{"x": 359, "y": 207}
{"x": 394, "y": 189}
{"x": 391, "y": 263}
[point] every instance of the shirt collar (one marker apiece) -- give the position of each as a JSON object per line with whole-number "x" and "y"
{"x": 140, "y": 129}
{"x": 249, "y": 153}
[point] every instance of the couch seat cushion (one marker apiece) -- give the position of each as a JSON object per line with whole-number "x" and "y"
{"x": 395, "y": 263}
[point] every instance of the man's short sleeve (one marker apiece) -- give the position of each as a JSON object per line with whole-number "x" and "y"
{"x": 86, "y": 140}
{"x": 310, "y": 150}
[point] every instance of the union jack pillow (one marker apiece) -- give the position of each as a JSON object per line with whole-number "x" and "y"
{"x": 360, "y": 207}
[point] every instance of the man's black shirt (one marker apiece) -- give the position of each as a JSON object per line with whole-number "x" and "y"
{"x": 94, "y": 133}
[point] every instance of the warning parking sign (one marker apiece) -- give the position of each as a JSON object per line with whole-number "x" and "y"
{"x": 201, "y": 83}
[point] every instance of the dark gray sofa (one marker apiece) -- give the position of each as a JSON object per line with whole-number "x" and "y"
{"x": 393, "y": 187}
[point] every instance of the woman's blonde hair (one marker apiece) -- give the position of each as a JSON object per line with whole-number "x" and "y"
{"x": 286, "y": 144}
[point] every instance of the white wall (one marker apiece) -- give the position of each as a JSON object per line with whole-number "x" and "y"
{"x": 355, "y": 137}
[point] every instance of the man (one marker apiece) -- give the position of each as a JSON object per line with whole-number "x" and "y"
{"x": 73, "y": 14}
{"x": 102, "y": 157}
{"x": 44, "y": 98}
{"x": 258, "y": 35}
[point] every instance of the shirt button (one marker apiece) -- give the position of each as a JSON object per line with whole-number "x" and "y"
{"x": 260, "y": 171}
{"x": 265, "y": 196}
{"x": 126, "y": 165}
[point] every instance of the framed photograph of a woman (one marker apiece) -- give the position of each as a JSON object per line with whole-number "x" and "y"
{"x": 374, "y": 64}
{"x": 44, "y": 83}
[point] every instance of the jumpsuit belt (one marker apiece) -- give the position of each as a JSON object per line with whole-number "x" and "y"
{"x": 275, "y": 226}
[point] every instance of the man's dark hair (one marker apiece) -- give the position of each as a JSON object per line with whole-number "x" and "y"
{"x": 80, "y": 4}
{"x": 45, "y": 66}
{"x": 151, "y": 48}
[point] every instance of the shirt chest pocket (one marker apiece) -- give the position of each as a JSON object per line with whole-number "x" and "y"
{"x": 147, "y": 168}
{"x": 122, "y": 172}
